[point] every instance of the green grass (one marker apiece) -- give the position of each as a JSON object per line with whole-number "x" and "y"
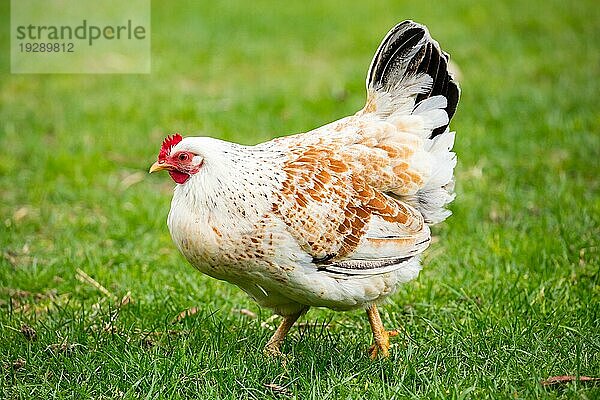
{"x": 510, "y": 292}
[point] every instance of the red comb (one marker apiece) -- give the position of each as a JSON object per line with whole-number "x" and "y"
{"x": 168, "y": 144}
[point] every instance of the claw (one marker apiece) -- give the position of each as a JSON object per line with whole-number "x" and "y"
{"x": 382, "y": 345}
{"x": 272, "y": 350}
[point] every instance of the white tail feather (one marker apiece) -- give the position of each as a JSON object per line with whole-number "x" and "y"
{"x": 439, "y": 189}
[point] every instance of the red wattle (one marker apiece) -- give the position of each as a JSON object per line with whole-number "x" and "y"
{"x": 179, "y": 177}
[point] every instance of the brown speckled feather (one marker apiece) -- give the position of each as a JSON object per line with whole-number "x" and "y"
{"x": 336, "y": 182}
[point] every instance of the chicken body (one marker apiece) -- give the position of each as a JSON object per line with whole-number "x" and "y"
{"x": 336, "y": 217}
{"x": 244, "y": 223}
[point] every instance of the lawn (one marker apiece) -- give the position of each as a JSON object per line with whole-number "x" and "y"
{"x": 91, "y": 285}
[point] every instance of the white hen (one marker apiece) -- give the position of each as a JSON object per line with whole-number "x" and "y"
{"x": 336, "y": 217}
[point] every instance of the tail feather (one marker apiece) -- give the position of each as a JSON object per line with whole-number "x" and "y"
{"x": 409, "y": 78}
{"x": 438, "y": 191}
{"x": 408, "y": 69}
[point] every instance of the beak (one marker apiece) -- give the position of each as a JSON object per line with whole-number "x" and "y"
{"x": 159, "y": 167}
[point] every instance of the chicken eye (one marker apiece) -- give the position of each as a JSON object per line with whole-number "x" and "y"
{"x": 182, "y": 157}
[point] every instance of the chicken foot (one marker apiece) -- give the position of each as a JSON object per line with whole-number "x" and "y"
{"x": 273, "y": 346}
{"x": 381, "y": 336}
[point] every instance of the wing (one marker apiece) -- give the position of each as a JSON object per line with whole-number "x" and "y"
{"x": 336, "y": 214}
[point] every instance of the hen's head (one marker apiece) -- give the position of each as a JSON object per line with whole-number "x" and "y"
{"x": 180, "y": 157}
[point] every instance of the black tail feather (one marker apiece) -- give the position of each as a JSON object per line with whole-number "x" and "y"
{"x": 407, "y": 50}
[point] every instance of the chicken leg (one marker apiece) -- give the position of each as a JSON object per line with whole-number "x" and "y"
{"x": 380, "y": 335}
{"x": 273, "y": 346}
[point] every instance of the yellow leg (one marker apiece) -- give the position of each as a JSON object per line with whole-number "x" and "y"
{"x": 273, "y": 347}
{"x": 380, "y": 335}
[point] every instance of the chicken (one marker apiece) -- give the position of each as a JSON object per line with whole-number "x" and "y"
{"x": 336, "y": 217}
